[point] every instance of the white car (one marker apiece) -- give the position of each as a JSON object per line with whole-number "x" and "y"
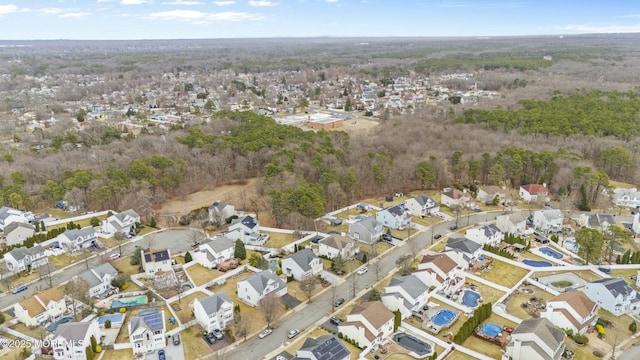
{"x": 362, "y": 270}
{"x": 265, "y": 333}
{"x": 293, "y": 333}
{"x": 114, "y": 256}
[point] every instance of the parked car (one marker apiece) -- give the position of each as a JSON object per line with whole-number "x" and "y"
{"x": 362, "y": 270}
{"x": 218, "y": 334}
{"x": 128, "y": 235}
{"x": 453, "y": 227}
{"x": 338, "y": 302}
{"x": 20, "y": 288}
{"x": 265, "y": 333}
{"x": 293, "y": 333}
{"x": 211, "y": 339}
{"x": 316, "y": 239}
{"x": 114, "y": 256}
{"x": 387, "y": 237}
{"x": 335, "y": 321}
{"x": 437, "y": 236}
{"x": 176, "y": 339}
{"x": 161, "y": 355}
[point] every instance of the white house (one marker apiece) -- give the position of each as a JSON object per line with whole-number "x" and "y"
{"x": 488, "y": 194}
{"x": 368, "y": 324}
{"x": 335, "y": 245}
{"x": 485, "y": 234}
{"x": 22, "y": 258}
{"x": 213, "y": 312}
{"x": 324, "y": 347}
{"x": 17, "y": 232}
{"x": 466, "y": 246}
{"x": 147, "y": 332}
{"x": 122, "y": 222}
{"x": 10, "y": 215}
{"x": 247, "y": 229}
{"x": 367, "y": 230}
{"x": 536, "y": 339}
{"x": 394, "y": 217}
{"x": 302, "y": 264}
{"x": 571, "y": 310}
{"x": 421, "y": 205}
{"x": 597, "y": 221}
{"x": 77, "y": 239}
{"x": 99, "y": 278}
{"x": 455, "y": 198}
{"x": 220, "y": 211}
{"x": 252, "y": 289}
{"x": 41, "y": 307}
{"x": 155, "y": 263}
{"x": 70, "y": 340}
{"x": 441, "y": 270}
{"x": 214, "y": 251}
{"x": 406, "y": 293}
{"x": 534, "y": 192}
{"x": 627, "y": 197}
{"x": 549, "y": 220}
{"x": 513, "y": 223}
{"x": 613, "y": 295}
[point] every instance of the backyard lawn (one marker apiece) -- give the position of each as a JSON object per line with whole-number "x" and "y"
{"x": 201, "y": 275}
{"x": 278, "y": 239}
{"x": 117, "y": 354}
{"x": 355, "y": 212}
{"x": 531, "y": 256}
{"x": 489, "y": 294}
{"x": 457, "y": 355}
{"x": 229, "y": 288}
{"x": 586, "y": 275}
{"x": 504, "y": 274}
{"x": 186, "y": 306}
{"x": 626, "y": 274}
{"x": 485, "y": 347}
{"x": 35, "y": 332}
{"x": 514, "y": 302}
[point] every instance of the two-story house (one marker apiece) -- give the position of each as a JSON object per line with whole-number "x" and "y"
{"x": 466, "y": 246}
{"x": 406, "y": 293}
{"x": 99, "y": 278}
{"x": 22, "y": 258}
{"x": 549, "y": 220}
{"x": 597, "y": 221}
{"x": 367, "y": 230}
{"x": 394, "y": 217}
{"x": 454, "y": 198}
{"x": 421, "y": 205}
{"x": 10, "y": 215}
{"x": 440, "y": 270}
{"x": 532, "y": 193}
{"x": 614, "y": 295}
{"x": 513, "y": 223}
{"x": 335, "y": 245}
{"x": 485, "y": 234}
{"x": 571, "y": 310}
{"x": 214, "y": 251}
{"x": 41, "y": 308}
{"x": 220, "y": 211}
{"x": 122, "y": 222}
{"x": 491, "y": 194}
{"x": 247, "y": 229}
{"x": 77, "y": 239}
{"x": 368, "y": 324}
{"x": 302, "y": 264}
{"x": 536, "y": 339}
{"x": 213, "y": 312}
{"x": 147, "y": 331}
{"x": 17, "y": 232}
{"x": 70, "y": 340}
{"x": 626, "y": 197}
{"x": 156, "y": 263}
{"x": 252, "y": 289}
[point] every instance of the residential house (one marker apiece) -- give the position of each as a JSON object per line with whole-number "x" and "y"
{"x": 247, "y": 229}
{"x": 470, "y": 248}
{"x": 324, "y": 347}
{"x": 302, "y": 264}
{"x": 17, "y": 232}
{"x": 368, "y": 324}
{"x": 597, "y": 221}
{"x": 614, "y": 295}
{"x": 99, "y": 278}
{"x": 147, "y": 332}
{"x": 41, "y": 308}
{"x": 213, "y": 312}
{"x": 10, "y": 215}
{"x": 513, "y": 223}
{"x": 422, "y": 205}
{"x": 485, "y": 234}
{"x": 440, "y": 270}
{"x": 70, "y": 340}
{"x": 156, "y": 262}
{"x": 488, "y": 194}
{"x": 394, "y": 217}
{"x": 627, "y": 198}
{"x": 335, "y": 245}
{"x": 454, "y": 198}
{"x": 406, "y": 293}
{"x": 22, "y": 258}
{"x": 214, "y": 251}
{"x": 536, "y": 339}
{"x": 548, "y": 220}
{"x": 571, "y": 310}
{"x": 220, "y": 211}
{"x": 534, "y": 192}
{"x": 122, "y": 222}
{"x": 252, "y": 289}
{"x": 77, "y": 239}
{"x": 367, "y": 230}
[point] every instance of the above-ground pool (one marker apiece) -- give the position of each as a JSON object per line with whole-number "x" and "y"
{"x": 470, "y": 298}
{"x": 443, "y": 317}
{"x": 550, "y": 252}
{"x": 136, "y": 300}
{"x": 536, "y": 263}
{"x": 491, "y": 329}
{"x": 413, "y": 344}
{"x": 114, "y": 318}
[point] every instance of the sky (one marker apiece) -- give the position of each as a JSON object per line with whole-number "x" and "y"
{"x": 210, "y": 19}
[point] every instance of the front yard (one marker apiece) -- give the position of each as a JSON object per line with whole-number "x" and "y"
{"x": 504, "y": 274}
{"x": 193, "y": 343}
{"x": 123, "y": 265}
{"x": 298, "y": 293}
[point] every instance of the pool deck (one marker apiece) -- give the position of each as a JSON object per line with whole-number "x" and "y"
{"x": 502, "y": 339}
{"x": 433, "y": 328}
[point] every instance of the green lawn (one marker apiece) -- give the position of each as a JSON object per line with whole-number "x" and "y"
{"x": 82, "y": 223}
{"x": 504, "y": 274}
{"x": 201, "y": 275}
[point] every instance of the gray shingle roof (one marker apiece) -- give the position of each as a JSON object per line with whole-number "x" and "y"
{"x": 94, "y": 276}
{"x": 260, "y": 280}
{"x": 411, "y": 284}
{"x": 218, "y": 205}
{"x": 616, "y": 286}
{"x": 14, "y": 225}
{"x": 598, "y": 220}
{"x": 151, "y": 321}
{"x": 123, "y": 214}
{"x": 326, "y": 347}
{"x": 76, "y": 233}
{"x": 424, "y": 200}
{"x": 544, "y": 329}
{"x": 219, "y": 243}
{"x": 21, "y": 252}
{"x": 463, "y": 244}
{"x": 73, "y": 331}
{"x": 369, "y": 223}
{"x": 303, "y": 258}
{"x": 212, "y": 304}
{"x": 397, "y": 210}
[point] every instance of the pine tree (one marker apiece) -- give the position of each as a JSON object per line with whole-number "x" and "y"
{"x": 187, "y": 257}
{"x": 152, "y": 223}
{"x": 240, "y": 251}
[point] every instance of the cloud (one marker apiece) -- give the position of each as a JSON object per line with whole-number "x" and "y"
{"x": 200, "y": 17}
{"x": 183, "y": 2}
{"x": 7, "y": 9}
{"x": 51, "y": 11}
{"x": 262, "y": 3}
{"x": 331, "y": 1}
{"x": 223, "y": 3}
{"x": 588, "y": 28}
{"x": 75, "y": 15}
{"x": 135, "y": 2}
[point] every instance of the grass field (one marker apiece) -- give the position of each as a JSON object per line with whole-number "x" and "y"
{"x": 489, "y": 294}
{"x": 117, "y": 354}
{"x": 122, "y": 264}
{"x": 296, "y": 291}
{"x": 193, "y": 344}
{"x": 35, "y": 332}
{"x": 186, "y": 306}
{"x": 586, "y": 275}
{"x": 504, "y": 274}
{"x": 201, "y": 275}
{"x": 457, "y": 355}
{"x": 626, "y": 274}
{"x": 278, "y": 239}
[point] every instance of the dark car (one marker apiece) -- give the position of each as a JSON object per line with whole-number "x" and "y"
{"x": 338, "y": 302}
{"x": 316, "y": 239}
{"x": 335, "y": 321}
{"x": 437, "y": 236}
{"x": 161, "y": 355}
{"x": 453, "y": 227}
{"x": 176, "y": 339}
{"x": 211, "y": 339}
{"x": 387, "y": 237}
{"x": 218, "y": 334}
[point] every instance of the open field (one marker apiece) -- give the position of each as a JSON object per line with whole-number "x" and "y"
{"x": 504, "y": 274}
{"x": 123, "y": 264}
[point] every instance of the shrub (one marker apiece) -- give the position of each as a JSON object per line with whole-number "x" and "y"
{"x": 187, "y": 257}
{"x": 340, "y": 336}
{"x": 122, "y": 310}
{"x": 124, "y": 286}
{"x": 107, "y": 324}
{"x": 101, "y": 313}
{"x": 600, "y": 329}
{"x": 580, "y": 339}
{"x": 279, "y": 271}
{"x": 633, "y": 327}
{"x": 98, "y": 348}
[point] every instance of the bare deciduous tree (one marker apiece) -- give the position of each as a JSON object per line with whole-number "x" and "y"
{"x": 271, "y": 308}
{"x": 78, "y": 290}
{"x": 308, "y": 285}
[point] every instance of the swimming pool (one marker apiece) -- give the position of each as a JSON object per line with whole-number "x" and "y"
{"x": 443, "y": 317}
{"x": 136, "y": 300}
{"x": 550, "y": 252}
{"x": 536, "y": 263}
{"x": 114, "y": 318}
{"x": 470, "y": 298}
{"x": 571, "y": 245}
{"x": 491, "y": 329}
{"x": 412, "y": 344}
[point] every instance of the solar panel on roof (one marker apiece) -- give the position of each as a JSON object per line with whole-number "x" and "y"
{"x": 154, "y": 321}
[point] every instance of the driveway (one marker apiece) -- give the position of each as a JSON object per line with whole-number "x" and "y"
{"x": 172, "y": 352}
